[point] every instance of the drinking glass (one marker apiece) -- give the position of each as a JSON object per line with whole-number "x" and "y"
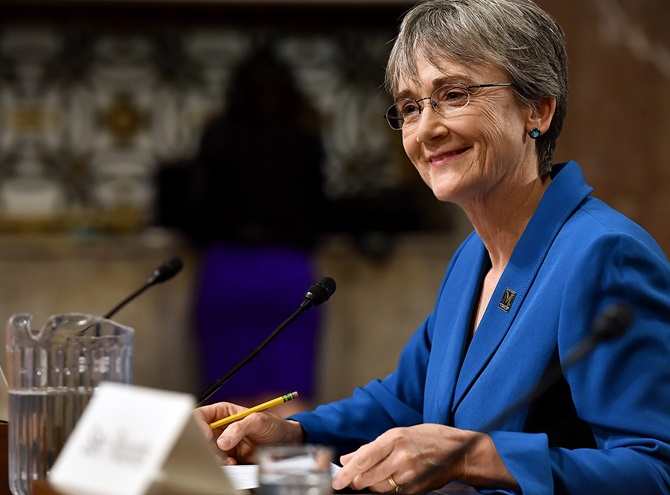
{"x": 295, "y": 470}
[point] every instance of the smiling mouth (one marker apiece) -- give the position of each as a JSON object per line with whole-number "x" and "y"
{"x": 447, "y": 155}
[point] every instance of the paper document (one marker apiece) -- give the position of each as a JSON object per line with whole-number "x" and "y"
{"x": 245, "y": 476}
{"x": 242, "y": 477}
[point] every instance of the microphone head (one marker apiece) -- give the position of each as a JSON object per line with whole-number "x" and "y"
{"x": 166, "y": 271}
{"x": 613, "y": 322}
{"x": 319, "y": 292}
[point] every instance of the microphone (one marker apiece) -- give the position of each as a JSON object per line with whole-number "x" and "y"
{"x": 317, "y": 294}
{"x": 164, "y": 272}
{"x": 613, "y": 322}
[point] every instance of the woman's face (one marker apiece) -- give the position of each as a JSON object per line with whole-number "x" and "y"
{"x": 466, "y": 155}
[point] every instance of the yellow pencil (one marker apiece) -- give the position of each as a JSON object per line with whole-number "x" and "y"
{"x": 259, "y": 407}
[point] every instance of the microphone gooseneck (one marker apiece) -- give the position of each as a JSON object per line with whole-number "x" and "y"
{"x": 317, "y": 294}
{"x": 613, "y": 322}
{"x": 164, "y": 272}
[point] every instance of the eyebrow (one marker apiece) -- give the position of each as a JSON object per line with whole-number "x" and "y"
{"x": 437, "y": 82}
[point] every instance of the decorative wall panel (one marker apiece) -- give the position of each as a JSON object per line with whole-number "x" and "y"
{"x": 88, "y": 115}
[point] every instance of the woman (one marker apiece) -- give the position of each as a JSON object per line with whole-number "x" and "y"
{"x": 255, "y": 243}
{"x": 480, "y": 89}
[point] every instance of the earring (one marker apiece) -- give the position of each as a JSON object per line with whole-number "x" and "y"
{"x": 534, "y": 133}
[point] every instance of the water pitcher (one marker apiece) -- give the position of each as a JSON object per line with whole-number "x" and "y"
{"x": 52, "y": 373}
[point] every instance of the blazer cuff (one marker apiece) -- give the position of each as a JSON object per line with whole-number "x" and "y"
{"x": 526, "y": 456}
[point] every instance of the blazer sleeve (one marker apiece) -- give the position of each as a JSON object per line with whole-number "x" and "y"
{"x": 397, "y": 400}
{"x": 379, "y": 406}
{"x": 621, "y": 389}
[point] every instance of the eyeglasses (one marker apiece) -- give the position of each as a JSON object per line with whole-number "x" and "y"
{"x": 444, "y": 100}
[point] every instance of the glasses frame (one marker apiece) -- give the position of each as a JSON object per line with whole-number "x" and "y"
{"x": 434, "y": 105}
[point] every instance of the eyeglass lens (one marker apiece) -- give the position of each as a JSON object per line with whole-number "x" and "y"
{"x": 443, "y": 99}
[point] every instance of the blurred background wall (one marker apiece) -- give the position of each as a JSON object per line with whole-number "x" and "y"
{"x": 102, "y": 104}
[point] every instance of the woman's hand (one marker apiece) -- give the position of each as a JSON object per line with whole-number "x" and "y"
{"x": 423, "y": 458}
{"x": 236, "y": 442}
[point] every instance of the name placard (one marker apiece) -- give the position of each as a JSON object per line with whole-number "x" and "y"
{"x": 138, "y": 441}
{"x": 4, "y": 397}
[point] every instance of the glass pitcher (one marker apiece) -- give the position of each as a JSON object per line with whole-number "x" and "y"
{"x": 51, "y": 375}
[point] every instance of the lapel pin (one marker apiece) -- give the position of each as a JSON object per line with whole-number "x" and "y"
{"x": 507, "y": 299}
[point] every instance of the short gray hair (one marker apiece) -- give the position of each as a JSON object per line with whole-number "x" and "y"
{"x": 515, "y": 35}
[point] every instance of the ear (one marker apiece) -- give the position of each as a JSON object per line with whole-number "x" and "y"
{"x": 541, "y": 116}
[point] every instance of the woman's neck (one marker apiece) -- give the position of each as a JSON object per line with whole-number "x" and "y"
{"x": 501, "y": 218}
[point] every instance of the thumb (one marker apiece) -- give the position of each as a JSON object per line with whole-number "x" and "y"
{"x": 346, "y": 458}
{"x": 231, "y": 436}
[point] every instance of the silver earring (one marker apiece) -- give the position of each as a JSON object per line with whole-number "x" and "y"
{"x": 534, "y": 133}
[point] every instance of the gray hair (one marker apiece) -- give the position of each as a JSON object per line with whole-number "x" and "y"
{"x": 515, "y": 35}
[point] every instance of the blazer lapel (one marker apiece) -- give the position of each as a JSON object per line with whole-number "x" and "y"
{"x": 452, "y": 327}
{"x": 561, "y": 198}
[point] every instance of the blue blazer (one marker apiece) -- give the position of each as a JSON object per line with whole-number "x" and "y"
{"x": 576, "y": 257}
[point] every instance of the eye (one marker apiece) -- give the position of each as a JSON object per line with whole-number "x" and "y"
{"x": 407, "y": 108}
{"x": 453, "y": 96}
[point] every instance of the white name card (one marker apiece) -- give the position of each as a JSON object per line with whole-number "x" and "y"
{"x": 4, "y": 397}
{"x": 138, "y": 441}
